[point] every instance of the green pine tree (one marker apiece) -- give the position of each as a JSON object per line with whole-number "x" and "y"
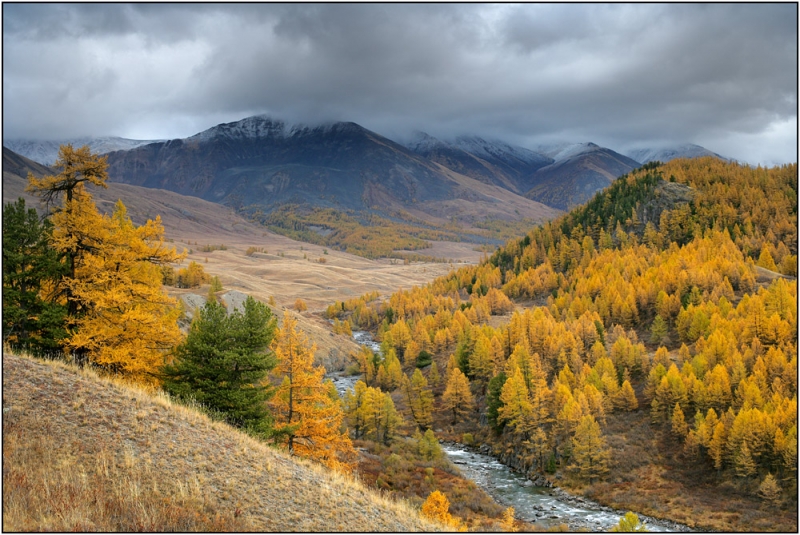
{"x": 493, "y": 402}
{"x": 32, "y": 317}
{"x": 223, "y": 362}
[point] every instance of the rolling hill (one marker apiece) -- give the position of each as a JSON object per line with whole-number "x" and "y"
{"x": 116, "y": 458}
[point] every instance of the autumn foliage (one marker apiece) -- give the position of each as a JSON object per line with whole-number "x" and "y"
{"x": 651, "y": 297}
{"x": 307, "y": 410}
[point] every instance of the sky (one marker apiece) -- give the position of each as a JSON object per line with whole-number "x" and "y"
{"x": 623, "y": 76}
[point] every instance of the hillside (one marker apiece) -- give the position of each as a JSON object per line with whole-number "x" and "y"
{"x": 490, "y": 162}
{"x": 640, "y": 350}
{"x": 577, "y": 174}
{"x": 669, "y": 153}
{"x": 118, "y": 459}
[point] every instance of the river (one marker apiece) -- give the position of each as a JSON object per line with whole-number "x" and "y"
{"x": 545, "y": 506}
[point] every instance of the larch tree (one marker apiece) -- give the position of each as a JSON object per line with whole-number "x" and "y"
{"x": 128, "y": 322}
{"x": 434, "y": 378}
{"x": 590, "y": 454}
{"x": 457, "y": 395}
{"x": 626, "y": 398}
{"x": 78, "y": 167}
{"x": 437, "y": 508}
{"x": 629, "y": 523}
{"x": 516, "y": 409}
{"x": 354, "y": 402}
{"x": 308, "y": 419}
{"x": 419, "y": 398}
{"x": 769, "y": 489}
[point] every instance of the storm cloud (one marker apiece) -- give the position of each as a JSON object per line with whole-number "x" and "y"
{"x": 621, "y": 75}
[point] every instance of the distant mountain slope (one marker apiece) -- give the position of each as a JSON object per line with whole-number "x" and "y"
{"x": 46, "y": 152}
{"x": 119, "y": 459}
{"x": 665, "y": 154}
{"x": 491, "y": 162}
{"x": 578, "y": 173}
{"x": 16, "y": 164}
{"x": 263, "y": 163}
{"x": 178, "y": 213}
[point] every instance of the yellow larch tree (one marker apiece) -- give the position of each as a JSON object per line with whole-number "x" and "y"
{"x": 127, "y": 323}
{"x": 457, "y": 395}
{"x": 308, "y": 416}
{"x": 119, "y": 316}
{"x": 437, "y": 507}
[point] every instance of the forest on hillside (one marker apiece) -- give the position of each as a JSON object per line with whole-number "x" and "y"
{"x": 664, "y": 308}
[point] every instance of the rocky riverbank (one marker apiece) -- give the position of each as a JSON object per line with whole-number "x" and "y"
{"x": 537, "y": 498}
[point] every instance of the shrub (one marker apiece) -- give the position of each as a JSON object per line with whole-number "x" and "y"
{"x": 424, "y": 359}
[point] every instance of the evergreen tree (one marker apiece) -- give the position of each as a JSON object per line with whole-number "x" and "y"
{"x": 223, "y": 363}
{"x": 493, "y": 402}
{"x": 32, "y": 316}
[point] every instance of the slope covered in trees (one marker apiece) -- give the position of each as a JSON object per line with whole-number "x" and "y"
{"x": 655, "y": 310}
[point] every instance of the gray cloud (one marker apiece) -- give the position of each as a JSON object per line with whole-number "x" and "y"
{"x": 720, "y": 75}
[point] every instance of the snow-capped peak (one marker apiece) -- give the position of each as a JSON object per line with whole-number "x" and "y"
{"x": 421, "y": 142}
{"x": 46, "y": 152}
{"x": 497, "y": 149}
{"x": 667, "y": 153}
{"x": 255, "y": 127}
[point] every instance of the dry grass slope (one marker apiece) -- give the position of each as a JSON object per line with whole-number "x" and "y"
{"x": 88, "y": 454}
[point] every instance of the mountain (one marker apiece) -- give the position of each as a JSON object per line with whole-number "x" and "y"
{"x": 665, "y": 154}
{"x": 181, "y": 215}
{"x": 578, "y": 172}
{"x": 46, "y": 152}
{"x": 261, "y": 163}
{"x": 563, "y": 150}
{"x": 18, "y": 165}
{"x": 492, "y": 162}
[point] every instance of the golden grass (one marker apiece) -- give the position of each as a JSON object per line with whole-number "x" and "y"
{"x": 91, "y": 454}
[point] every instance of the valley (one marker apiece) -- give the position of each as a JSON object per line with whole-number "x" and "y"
{"x": 400, "y": 267}
{"x": 485, "y": 319}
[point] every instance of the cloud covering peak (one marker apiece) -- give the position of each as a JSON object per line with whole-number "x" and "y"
{"x": 720, "y": 75}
